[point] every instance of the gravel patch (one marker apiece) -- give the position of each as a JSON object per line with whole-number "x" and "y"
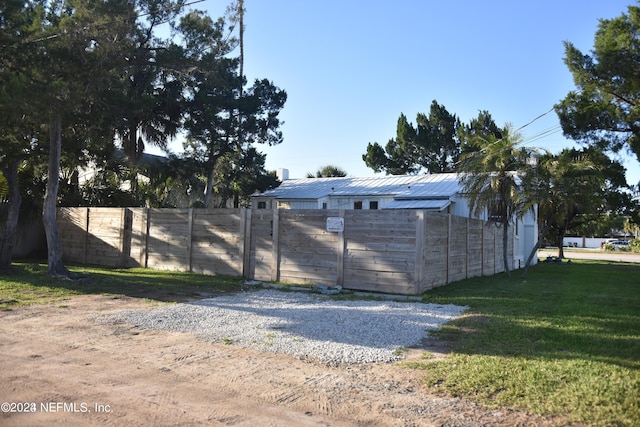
{"x": 305, "y": 325}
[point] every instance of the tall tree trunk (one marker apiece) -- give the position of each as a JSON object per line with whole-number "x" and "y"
{"x": 541, "y": 233}
{"x": 559, "y": 243}
{"x": 208, "y": 189}
{"x": 49, "y": 214}
{"x": 505, "y": 247}
{"x": 11, "y": 223}
{"x": 241, "y": 22}
{"x": 530, "y": 258}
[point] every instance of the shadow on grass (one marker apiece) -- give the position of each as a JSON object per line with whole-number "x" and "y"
{"x": 581, "y": 310}
{"x": 30, "y": 283}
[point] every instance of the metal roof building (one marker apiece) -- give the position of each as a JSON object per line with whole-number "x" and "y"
{"x": 434, "y": 192}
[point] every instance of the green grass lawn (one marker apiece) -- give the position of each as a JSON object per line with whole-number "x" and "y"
{"x": 31, "y": 284}
{"x": 564, "y": 342}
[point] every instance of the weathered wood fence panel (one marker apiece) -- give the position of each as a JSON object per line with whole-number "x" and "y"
{"x": 72, "y": 228}
{"x": 307, "y": 251}
{"x": 169, "y": 239}
{"x": 95, "y": 235}
{"x": 436, "y": 236}
{"x": 458, "y": 230}
{"x": 399, "y": 251}
{"x": 217, "y": 239}
{"x": 475, "y": 252}
{"x": 137, "y": 237}
{"x": 489, "y": 250}
{"x": 105, "y": 238}
{"x": 261, "y": 245}
{"x": 380, "y": 253}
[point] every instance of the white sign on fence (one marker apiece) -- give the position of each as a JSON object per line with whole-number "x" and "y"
{"x": 335, "y": 224}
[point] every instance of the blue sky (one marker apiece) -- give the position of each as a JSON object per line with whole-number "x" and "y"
{"x": 350, "y": 67}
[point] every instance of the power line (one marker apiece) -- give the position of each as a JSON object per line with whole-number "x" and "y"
{"x": 543, "y": 134}
{"x": 537, "y": 118}
{"x": 517, "y": 130}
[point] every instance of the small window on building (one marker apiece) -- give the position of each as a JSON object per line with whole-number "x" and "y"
{"x": 357, "y": 205}
{"x": 284, "y": 205}
{"x": 373, "y": 204}
{"x": 262, "y": 205}
{"x": 324, "y": 205}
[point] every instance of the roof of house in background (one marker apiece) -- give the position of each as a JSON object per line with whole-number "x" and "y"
{"x": 401, "y": 187}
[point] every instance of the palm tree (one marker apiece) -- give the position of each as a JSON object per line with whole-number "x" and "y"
{"x": 328, "y": 171}
{"x": 575, "y": 184}
{"x": 489, "y": 176}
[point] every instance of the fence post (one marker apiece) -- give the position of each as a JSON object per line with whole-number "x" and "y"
{"x": 420, "y": 264}
{"x": 189, "y": 237}
{"x": 482, "y": 248}
{"x": 85, "y": 242}
{"x": 495, "y": 252}
{"x": 341, "y": 251}
{"x": 245, "y": 241}
{"x": 145, "y": 253}
{"x": 468, "y": 252}
{"x": 448, "y": 248}
{"x": 275, "y": 249}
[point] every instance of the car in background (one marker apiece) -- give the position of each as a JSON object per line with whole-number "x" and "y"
{"x": 615, "y": 244}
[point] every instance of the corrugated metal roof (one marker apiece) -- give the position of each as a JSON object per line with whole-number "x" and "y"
{"x": 399, "y": 186}
{"x": 433, "y": 204}
{"x": 437, "y": 185}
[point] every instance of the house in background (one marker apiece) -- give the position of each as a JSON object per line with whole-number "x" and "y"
{"x": 435, "y": 192}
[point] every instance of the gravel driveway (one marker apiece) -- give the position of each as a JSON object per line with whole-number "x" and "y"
{"x": 305, "y": 325}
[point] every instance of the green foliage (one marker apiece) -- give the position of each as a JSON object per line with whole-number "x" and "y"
{"x": 603, "y": 111}
{"x": 564, "y": 342}
{"x": 328, "y": 171}
{"x": 482, "y": 127}
{"x": 120, "y": 78}
{"x": 238, "y": 175}
{"x": 491, "y": 179}
{"x": 224, "y": 119}
{"x": 432, "y": 145}
{"x": 575, "y": 190}
{"x": 597, "y": 225}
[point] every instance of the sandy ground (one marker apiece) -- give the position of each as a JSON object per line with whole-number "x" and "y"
{"x": 67, "y": 369}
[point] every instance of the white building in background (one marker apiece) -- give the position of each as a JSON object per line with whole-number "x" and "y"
{"x": 435, "y": 192}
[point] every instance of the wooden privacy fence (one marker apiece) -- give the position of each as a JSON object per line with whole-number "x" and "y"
{"x": 396, "y": 251}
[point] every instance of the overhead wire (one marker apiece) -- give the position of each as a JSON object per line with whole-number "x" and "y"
{"x": 535, "y": 119}
{"x": 540, "y": 135}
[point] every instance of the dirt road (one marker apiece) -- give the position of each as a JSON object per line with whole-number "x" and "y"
{"x": 66, "y": 368}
